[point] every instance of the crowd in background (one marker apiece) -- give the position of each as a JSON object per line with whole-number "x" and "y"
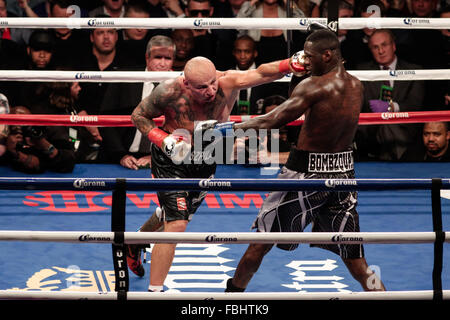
{"x": 37, "y": 149}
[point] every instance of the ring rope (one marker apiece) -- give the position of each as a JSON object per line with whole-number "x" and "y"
{"x": 142, "y": 76}
{"x": 136, "y": 184}
{"x": 223, "y": 237}
{"x": 74, "y": 295}
{"x": 224, "y": 23}
{"x": 125, "y": 121}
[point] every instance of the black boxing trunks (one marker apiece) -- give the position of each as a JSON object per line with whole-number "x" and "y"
{"x": 327, "y": 211}
{"x": 179, "y": 205}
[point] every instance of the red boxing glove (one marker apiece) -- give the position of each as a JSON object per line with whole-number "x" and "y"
{"x": 295, "y": 64}
{"x": 174, "y": 146}
{"x": 157, "y": 136}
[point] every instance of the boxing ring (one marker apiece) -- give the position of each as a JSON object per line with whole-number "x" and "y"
{"x": 432, "y": 240}
{"x": 109, "y": 209}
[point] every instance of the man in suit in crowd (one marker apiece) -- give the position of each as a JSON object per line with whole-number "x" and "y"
{"x": 125, "y": 145}
{"x": 388, "y": 142}
{"x": 251, "y": 100}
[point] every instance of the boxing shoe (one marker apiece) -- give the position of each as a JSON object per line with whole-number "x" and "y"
{"x": 232, "y": 288}
{"x": 134, "y": 260}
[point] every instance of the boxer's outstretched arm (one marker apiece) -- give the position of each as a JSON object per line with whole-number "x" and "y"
{"x": 267, "y": 72}
{"x": 302, "y": 98}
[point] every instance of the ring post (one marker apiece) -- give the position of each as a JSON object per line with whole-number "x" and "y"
{"x": 436, "y": 185}
{"x": 118, "y": 247}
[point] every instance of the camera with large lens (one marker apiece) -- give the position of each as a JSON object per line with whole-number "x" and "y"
{"x": 33, "y": 132}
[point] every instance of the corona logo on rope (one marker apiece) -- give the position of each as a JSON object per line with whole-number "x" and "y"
{"x": 341, "y": 238}
{"x": 87, "y": 237}
{"x": 214, "y": 238}
{"x": 77, "y": 119}
{"x": 206, "y": 183}
{"x": 394, "y": 115}
{"x": 332, "y": 183}
{"x": 83, "y": 183}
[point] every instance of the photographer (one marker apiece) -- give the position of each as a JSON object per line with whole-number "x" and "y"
{"x": 30, "y": 150}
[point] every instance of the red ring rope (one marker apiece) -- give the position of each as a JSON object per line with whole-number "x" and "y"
{"x": 125, "y": 121}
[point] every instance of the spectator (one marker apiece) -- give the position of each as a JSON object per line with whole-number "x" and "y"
{"x": 126, "y": 145}
{"x": 40, "y": 49}
{"x": 204, "y": 40}
{"x": 213, "y": 44}
{"x": 306, "y": 6}
{"x": 41, "y": 8}
{"x": 388, "y": 142}
{"x": 26, "y": 8}
{"x": 352, "y": 48}
{"x": 434, "y": 144}
{"x": 40, "y": 57}
{"x": 36, "y": 150}
{"x": 12, "y": 57}
{"x": 111, "y": 8}
{"x": 61, "y": 98}
{"x": 445, "y": 13}
{"x": 225, "y": 37}
{"x": 132, "y": 42}
{"x": 397, "y": 8}
{"x": 184, "y": 42}
{"x": 272, "y": 44}
{"x": 135, "y": 9}
{"x": 251, "y": 100}
{"x": 222, "y": 9}
{"x": 166, "y": 8}
{"x": 427, "y": 48}
{"x": 70, "y": 43}
{"x": 18, "y": 35}
{"x": 89, "y": 135}
{"x": 424, "y": 8}
{"x": 355, "y": 48}
{"x": 443, "y": 86}
{"x": 103, "y": 57}
{"x": 4, "y": 109}
{"x": 235, "y": 6}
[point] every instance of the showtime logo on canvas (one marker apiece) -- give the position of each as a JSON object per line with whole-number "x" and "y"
{"x": 92, "y": 201}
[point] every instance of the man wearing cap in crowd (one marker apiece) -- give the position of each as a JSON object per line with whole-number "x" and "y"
{"x": 40, "y": 52}
{"x": 40, "y": 49}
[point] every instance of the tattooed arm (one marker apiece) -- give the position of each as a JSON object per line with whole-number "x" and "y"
{"x": 150, "y": 107}
{"x": 155, "y": 105}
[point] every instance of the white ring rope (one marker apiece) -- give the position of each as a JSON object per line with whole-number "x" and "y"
{"x": 142, "y": 76}
{"x": 223, "y": 23}
{"x": 224, "y": 237}
{"x": 77, "y": 295}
